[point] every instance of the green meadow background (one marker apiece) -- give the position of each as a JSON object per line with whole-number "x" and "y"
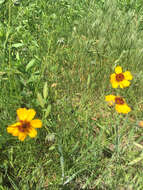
{"x": 56, "y": 56}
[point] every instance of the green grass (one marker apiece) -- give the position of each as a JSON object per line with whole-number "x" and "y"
{"x": 56, "y": 57}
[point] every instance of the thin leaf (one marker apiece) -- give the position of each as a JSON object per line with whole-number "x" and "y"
{"x": 40, "y": 100}
{"x": 73, "y": 176}
{"x": 12, "y": 183}
{"x": 45, "y": 90}
{"x": 17, "y": 45}
{"x": 138, "y": 145}
{"x": 2, "y": 1}
{"x": 88, "y": 81}
{"x": 61, "y": 161}
{"x": 136, "y": 160}
{"x": 48, "y": 110}
{"x": 30, "y": 64}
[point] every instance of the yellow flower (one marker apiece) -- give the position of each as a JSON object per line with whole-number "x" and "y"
{"x": 140, "y": 123}
{"x": 119, "y": 102}
{"x": 120, "y": 79}
{"x": 26, "y": 124}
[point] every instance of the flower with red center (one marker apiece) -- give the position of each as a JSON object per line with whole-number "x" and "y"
{"x": 120, "y": 79}
{"x": 119, "y": 102}
{"x": 26, "y": 124}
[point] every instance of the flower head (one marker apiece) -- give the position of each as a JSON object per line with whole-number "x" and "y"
{"x": 26, "y": 124}
{"x": 140, "y": 123}
{"x": 120, "y": 79}
{"x": 119, "y": 102}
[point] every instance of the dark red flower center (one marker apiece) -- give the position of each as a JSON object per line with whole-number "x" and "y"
{"x": 24, "y": 126}
{"x": 119, "y": 100}
{"x": 119, "y": 77}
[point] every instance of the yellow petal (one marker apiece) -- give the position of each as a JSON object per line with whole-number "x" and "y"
{"x": 119, "y": 108}
{"x": 36, "y": 123}
{"x": 10, "y": 129}
{"x": 13, "y": 129}
{"x": 115, "y": 84}
{"x": 32, "y": 132}
{"x": 118, "y": 70}
{"x": 22, "y": 136}
{"x": 15, "y": 132}
{"x": 128, "y": 75}
{"x": 121, "y": 85}
{"x": 110, "y": 99}
{"x": 127, "y": 109}
{"x": 113, "y": 80}
{"x": 122, "y": 108}
{"x": 22, "y": 114}
{"x": 112, "y": 77}
{"x": 30, "y": 114}
{"x": 15, "y": 124}
{"x": 124, "y": 83}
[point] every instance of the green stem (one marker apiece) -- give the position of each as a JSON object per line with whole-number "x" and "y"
{"x": 117, "y": 140}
